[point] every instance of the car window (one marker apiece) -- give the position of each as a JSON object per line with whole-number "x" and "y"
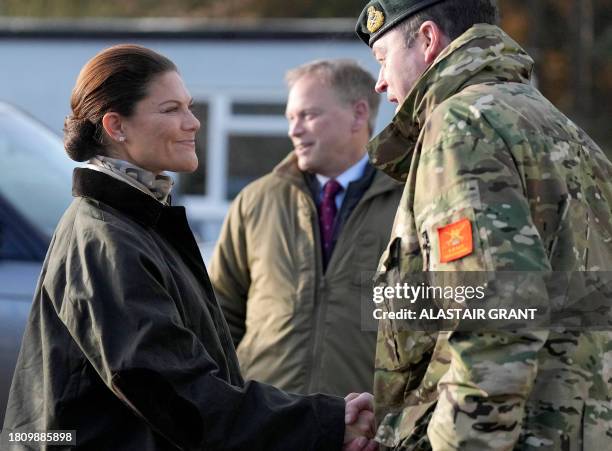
{"x": 36, "y": 172}
{"x": 19, "y": 239}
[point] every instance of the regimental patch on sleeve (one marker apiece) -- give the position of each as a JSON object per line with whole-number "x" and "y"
{"x": 455, "y": 240}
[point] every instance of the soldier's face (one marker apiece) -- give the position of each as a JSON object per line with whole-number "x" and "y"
{"x": 320, "y": 127}
{"x": 400, "y": 66}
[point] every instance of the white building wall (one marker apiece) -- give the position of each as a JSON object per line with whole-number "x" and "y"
{"x": 37, "y": 75}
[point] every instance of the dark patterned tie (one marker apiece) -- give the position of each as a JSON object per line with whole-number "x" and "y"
{"x": 327, "y": 215}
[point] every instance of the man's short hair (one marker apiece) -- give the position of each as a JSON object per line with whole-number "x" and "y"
{"x": 454, "y": 17}
{"x": 346, "y": 77}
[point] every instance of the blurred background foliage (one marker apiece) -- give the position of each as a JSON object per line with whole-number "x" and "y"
{"x": 571, "y": 40}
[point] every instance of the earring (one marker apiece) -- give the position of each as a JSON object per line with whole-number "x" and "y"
{"x": 121, "y": 139}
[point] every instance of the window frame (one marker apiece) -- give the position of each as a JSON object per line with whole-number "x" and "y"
{"x": 222, "y": 123}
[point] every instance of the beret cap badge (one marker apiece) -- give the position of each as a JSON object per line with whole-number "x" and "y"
{"x": 376, "y": 19}
{"x": 379, "y": 16}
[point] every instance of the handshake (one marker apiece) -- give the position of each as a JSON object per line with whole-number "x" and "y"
{"x": 360, "y": 424}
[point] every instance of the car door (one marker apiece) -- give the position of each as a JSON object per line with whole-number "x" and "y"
{"x": 21, "y": 249}
{"x": 35, "y": 185}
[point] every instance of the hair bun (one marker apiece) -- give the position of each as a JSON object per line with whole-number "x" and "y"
{"x": 116, "y": 79}
{"x": 80, "y": 139}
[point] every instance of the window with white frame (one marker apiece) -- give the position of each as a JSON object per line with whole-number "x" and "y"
{"x": 251, "y": 156}
{"x": 256, "y": 141}
{"x": 243, "y": 137}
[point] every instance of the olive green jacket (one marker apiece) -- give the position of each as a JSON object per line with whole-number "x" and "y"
{"x": 477, "y": 144}
{"x": 299, "y": 328}
{"x": 126, "y": 344}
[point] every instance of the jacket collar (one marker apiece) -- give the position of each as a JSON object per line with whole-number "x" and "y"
{"x": 170, "y": 222}
{"x": 116, "y": 194}
{"x": 483, "y": 54}
{"x": 288, "y": 169}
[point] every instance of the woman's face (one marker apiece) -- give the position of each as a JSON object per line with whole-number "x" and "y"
{"x": 160, "y": 134}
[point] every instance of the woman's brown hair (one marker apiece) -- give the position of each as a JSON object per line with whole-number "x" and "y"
{"x": 116, "y": 79}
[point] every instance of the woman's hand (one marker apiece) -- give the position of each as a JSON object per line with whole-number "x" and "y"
{"x": 360, "y": 423}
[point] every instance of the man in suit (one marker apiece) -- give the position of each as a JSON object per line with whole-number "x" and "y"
{"x": 288, "y": 265}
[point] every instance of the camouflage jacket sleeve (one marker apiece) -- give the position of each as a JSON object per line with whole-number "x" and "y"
{"x": 229, "y": 270}
{"x": 470, "y": 173}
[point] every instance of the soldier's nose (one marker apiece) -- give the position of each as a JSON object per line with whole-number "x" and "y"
{"x": 381, "y": 83}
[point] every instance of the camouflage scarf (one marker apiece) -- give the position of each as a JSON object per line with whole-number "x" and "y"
{"x": 483, "y": 54}
{"x": 155, "y": 185}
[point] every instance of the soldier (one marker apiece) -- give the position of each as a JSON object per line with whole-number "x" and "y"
{"x": 489, "y": 161}
{"x": 286, "y": 267}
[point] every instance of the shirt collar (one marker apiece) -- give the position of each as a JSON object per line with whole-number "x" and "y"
{"x": 353, "y": 173}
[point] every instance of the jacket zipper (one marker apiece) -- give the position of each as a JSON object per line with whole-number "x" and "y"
{"x": 320, "y": 295}
{"x": 317, "y": 301}
{"x": 320, "y": 307}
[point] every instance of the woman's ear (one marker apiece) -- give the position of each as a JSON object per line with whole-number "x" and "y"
{"x": 361, "y": 115}
{"x": 111, "y": 122}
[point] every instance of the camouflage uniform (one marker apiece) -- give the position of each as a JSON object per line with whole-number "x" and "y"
{"x": 474, "y": 139}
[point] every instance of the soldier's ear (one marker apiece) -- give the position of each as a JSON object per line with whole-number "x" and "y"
{"x": 434, "y": 41}
{"x": 361, "y": 115}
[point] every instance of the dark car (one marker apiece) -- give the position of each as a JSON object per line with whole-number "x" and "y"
{"x": 35, "y": 184}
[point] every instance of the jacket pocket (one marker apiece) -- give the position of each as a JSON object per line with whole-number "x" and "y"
{"x": 442, "y": 225}
{"x": 553, "y": 425}
{"x": 399, "y": 347}
{"x": 596, "y": 426}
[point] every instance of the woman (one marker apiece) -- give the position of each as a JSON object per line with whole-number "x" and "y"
{"x": 126, "y": 343}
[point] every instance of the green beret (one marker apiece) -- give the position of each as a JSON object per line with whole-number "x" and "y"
{"x": 379, "y": 16}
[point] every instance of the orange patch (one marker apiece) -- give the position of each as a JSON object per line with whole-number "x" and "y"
{"x": 455, "y": 240}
